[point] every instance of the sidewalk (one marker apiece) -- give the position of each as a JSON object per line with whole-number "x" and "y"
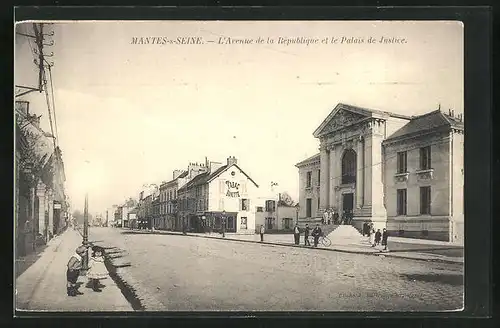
{"x": 427, "y": 251}
{"x": 42, "y": 287}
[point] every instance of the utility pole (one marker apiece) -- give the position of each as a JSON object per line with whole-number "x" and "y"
{"x": 39, "y": 42}
{"x": 86, "y": 231}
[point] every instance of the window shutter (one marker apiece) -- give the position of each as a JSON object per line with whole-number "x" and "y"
{"x": 241, "y": 204}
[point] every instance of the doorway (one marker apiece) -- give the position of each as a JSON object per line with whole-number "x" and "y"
{"x": 348, "y": 202}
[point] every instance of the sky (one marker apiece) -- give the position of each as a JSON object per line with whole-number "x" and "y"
{"x": 128, "y": 114}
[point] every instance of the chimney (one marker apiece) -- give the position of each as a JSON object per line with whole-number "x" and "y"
{"x": 231, "y": 160}
{"x": 177, "y": 173}
{"x": 214, "y": 166}
{"x": 449, "y": 112}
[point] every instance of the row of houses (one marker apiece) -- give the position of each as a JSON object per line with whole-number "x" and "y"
{"x": 41, "y": 204}
{"x": 207, "y": 197}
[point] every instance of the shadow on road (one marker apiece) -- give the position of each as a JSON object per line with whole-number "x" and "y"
{"x": 450, "y": 279}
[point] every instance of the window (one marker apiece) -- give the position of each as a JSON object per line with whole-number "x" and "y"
{"x": 401, "y": 206}
{"x": 270, "y": 205}
{"x": 402, "y": 162}
{"x": 245, "y": 204}
{"x": 319, "y": 177}
{"x": 425, "y": 158}
{"x": 260, "y": 209}
{"x": 243, "y": 224}
{"x": 308, "y": 207}
{"x": 425, "y": 200}
{"x": 270, "y": 223}
{"x": 309, "y": 178}
{"x": 287, "y": 223}
{"x": 349, "y": 167}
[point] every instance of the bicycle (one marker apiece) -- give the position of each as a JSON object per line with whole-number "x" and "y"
{"x": 323, "y": 240}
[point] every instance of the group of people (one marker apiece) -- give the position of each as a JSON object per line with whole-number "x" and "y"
{"x": 331, "y": 216}
{"x": 96, "y": 270}
{"x": 316, "y": 233}
{"x": 376, "y": 237}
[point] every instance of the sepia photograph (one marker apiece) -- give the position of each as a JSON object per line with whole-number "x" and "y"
{"x": 184, "y": 165}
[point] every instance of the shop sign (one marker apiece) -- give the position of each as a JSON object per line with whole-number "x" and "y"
{"x": 232, "y": 189}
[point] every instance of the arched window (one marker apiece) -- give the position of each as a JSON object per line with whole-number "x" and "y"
{"x": 349, "y": 166}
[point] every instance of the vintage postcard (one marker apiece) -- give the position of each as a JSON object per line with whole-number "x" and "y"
{"x": 239, "y": 166}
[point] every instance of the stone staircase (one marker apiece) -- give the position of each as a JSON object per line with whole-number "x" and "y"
{"x": 347, "y": 235}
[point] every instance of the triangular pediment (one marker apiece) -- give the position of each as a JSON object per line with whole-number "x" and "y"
{"x": 340, "y": 117}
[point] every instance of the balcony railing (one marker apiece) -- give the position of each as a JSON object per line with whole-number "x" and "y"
{"x": 401, "y": 177}
{"x": 425, "y": 174}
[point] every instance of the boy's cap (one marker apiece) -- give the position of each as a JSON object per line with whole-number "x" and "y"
{"x": 81, "y": 249}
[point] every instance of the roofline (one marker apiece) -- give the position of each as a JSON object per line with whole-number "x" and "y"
{"x": 357, "y": 109}
{"x": 309, "y": 160}
{"x": 186, "y": 186}
{"x": 228, "y": 167}
{"x": 419, "y": 133}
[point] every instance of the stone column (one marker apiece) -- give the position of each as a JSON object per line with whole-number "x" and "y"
{"x": 374, "y": 187}
{"x": 40, "y": 193}
{"x": 324, "y": 178}
{"x": 359, "y": 173}
{"x": 50, "y": 208}
{"x": 333, "y": 176}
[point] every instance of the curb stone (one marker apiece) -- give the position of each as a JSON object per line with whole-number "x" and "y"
{"x": 138, "y": 298}
{"x": 387, "y": 254}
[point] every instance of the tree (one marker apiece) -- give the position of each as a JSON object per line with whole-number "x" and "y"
{"x": 286, "y": 200}
{"x": 79, "y": 217}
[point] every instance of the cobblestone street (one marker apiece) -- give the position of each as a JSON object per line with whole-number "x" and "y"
{"x": 178, "y": 273}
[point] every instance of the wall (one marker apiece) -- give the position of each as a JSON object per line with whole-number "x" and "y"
{"x": 313, "y": 192}
{"x": 218, "y": 200}
{"x": 457, "y": 199}
{"x": 437, "y": 224}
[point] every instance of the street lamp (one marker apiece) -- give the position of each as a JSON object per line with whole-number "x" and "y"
{"x": 85, "y": 241}
{"x": 297, "y": 208}
{"x": 223, "y": 223}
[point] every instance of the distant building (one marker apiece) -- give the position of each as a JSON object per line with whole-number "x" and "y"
{"x": 221, "y": 194}
{"x": 399, "y": 172}
{"x": 168, "y": 199}
{"x": 275, "y": 215}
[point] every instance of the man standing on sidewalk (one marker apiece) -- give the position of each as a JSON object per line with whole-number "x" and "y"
{"x": 296, "y": 234}
{"x": 262, "y": 231}
{"x": 316, "y": 234}
{"x": 306, "y": 236}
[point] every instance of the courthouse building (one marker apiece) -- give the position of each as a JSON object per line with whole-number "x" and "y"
{"x": 403, "y": 173}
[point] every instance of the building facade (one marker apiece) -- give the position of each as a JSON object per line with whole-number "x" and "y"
{"x": 424, "y": 178}
{"x": 356, "y": 171}
{"x": 41, "y": 204}
{"x": 170, "y": 189}
{"x": 220, "y": 198}
{"x": 275, "y": 215}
